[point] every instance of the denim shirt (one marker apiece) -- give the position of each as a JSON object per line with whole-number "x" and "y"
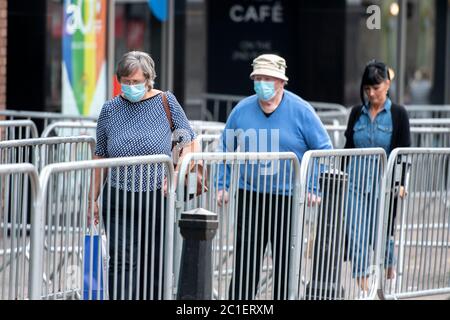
{"x": 368, "y": 134}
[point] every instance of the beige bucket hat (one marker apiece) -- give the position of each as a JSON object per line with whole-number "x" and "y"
{"x": 269, "y": 65}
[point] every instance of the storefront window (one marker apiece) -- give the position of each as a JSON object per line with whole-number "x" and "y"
{"x": 135, "y": 29}
{"x": 420, "y": 52}
{"x": 364, "y": 44}
{"x": 54, "y": 55}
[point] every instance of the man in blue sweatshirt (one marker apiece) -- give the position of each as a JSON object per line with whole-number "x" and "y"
{"x": 272, "y": 120}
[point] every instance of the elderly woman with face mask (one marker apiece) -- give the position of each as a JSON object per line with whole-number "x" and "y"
{"x": 377, "y": 122}
{"x": 136, "y": 123}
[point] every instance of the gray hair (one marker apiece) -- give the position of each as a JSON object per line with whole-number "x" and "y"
{"x": 134, "y": 60}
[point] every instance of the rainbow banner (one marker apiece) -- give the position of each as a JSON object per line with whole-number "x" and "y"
{"x": 84, "y": 57}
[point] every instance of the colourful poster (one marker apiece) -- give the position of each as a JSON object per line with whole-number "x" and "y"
{"x": 84, "y": 57}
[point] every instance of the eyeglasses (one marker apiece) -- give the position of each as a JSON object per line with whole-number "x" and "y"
{"x": 132, "y": 82}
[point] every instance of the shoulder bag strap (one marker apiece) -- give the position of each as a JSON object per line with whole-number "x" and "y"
{"x": 167, "y": 110}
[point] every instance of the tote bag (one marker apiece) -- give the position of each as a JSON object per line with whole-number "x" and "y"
{"x": 95, "y": 276}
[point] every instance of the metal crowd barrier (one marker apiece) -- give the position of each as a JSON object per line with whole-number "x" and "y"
{"x": 218, "y": 102}
{"x": 430, "y": 133}
{"x": 209, "y": 142}
{"x": 17, "y": 129}
{"x": 143, "y": 239}
{"x": 339, "y": 202}
{"x": 430, "y": 137}
{"x": 432, "y": 122}
{"x": 45, "y": 117}
{"x": 418, "y": 223}
{"x": 39, "y": 152}
{"x": 207, "y": 127}
{"x": 331, "y": 113}
{"x": 16, "y": 265}
{"x": 333, "y": 227}
{"x": 89, "y": 128}
{"x": 428, "y": 111}
{"x": 269, "y": 209}
{"x": 421, "y": 137}
{"x": 200, "y": 123}
{"x": 44, "y": 151}
{"x": 336, "y": 134}
{"x": 74, "y": 128}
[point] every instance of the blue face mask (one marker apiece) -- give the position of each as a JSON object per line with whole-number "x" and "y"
{"x": 134, "y": 93}
{"x": 265, "y": 90}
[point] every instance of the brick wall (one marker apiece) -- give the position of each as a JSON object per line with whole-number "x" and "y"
{"x": 3, "y": 51}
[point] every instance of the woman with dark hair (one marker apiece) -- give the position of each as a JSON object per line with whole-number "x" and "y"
{"x": 377, "y": 122}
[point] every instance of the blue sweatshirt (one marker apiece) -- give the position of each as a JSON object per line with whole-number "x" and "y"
{"x": 293, "y": 127}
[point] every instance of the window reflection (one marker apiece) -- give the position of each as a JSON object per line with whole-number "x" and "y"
{"x": 135, "y": 29}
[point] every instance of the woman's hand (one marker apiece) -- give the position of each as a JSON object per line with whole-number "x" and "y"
{"x": 165, "y": 186}
{"x": 92, "y": 209}
{"x": 175, "y": 181}
{"x": 222, "y": 197}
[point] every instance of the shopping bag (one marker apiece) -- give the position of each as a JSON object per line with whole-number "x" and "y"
{"x": 95, "y": 277}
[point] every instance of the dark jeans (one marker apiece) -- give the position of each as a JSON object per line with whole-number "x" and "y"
{"x": 258, "y": 222}
{"x": 135, "y": 263}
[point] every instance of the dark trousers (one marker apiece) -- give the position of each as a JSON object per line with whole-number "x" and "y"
{"x": 135, "y": 264}
{"x": 258, "y": 222}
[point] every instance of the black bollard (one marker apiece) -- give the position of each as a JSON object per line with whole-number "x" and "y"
{"x": 327, "y": 285}
{"x": 198, "y": 227}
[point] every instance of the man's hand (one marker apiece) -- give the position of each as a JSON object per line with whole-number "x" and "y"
{"x": 313, "y": 199}
{"x": 92, "y": 209}
{"x": 222, "y": 197}
{"x": 402, "y": 192}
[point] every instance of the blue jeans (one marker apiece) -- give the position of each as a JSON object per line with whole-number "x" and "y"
{"x": 361, "y": 222}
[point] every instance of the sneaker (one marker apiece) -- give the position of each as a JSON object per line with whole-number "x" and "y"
{"x": 363, "y": 295}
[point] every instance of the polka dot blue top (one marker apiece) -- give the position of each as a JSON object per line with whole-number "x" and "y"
{"x": 126, "y": 129}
